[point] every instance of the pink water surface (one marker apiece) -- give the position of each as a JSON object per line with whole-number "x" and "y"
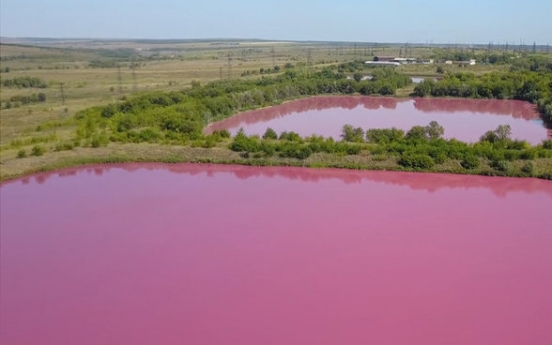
{"x": 200, "y": 254}
{"x": 463, "y": 119}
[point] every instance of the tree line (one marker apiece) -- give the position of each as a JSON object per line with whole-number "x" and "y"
{"x": 178, "y": 116}
{"x": 421, "y": 148}
{"x": 24, "y": 83}
{"x": 526, "y": 85}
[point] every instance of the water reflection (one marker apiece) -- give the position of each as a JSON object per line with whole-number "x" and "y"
{"x": 464, "y": 119}
{"x": 430, "y": 182}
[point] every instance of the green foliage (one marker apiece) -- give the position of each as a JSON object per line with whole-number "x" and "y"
{"x": 290, "y": 136}
{"x": 350, "y": 134}
{"x": 28, "y": 99}
{"x": 530, "y": 84}
{"x": 64, "y": 147}
{"x": 38, "y": 150}
{"x": 24, "y": 83}
{"x": 243, "y": 143}
{"x": 416, "y": 161}
{"x": 417, "y": 133}
{"x": 434, "y": 130}
{"x": 187, "y": 112}
{"x": 384, "y": 136}
{"x": 223, "y": 133}
{"x": 528, "y": 168}
{"x": 501, "y": 166}
{"x": 501, "y": 134}
{"x": 270, "y": 134}
{"x": 424, "y": 88}
{"x": 21, "y": 153}
{"x": 470, "y": 162}
{"x": 99, "y": 140}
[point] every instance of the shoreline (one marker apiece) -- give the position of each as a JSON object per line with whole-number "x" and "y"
{"x": 156, "y": 153}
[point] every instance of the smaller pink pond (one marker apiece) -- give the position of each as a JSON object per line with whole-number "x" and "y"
{"x": 463, "y": 119}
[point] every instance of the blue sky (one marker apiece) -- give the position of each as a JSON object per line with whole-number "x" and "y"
{"x": 443, "y": 21}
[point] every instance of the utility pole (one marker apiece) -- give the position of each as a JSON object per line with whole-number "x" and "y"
{"x": 273, "y": 57}
{"x": 120, "y": 81}
{"x": 229, "y": 66}
{"x": 62, "y": 93}
{"x": 134, "y": 83}
{"x": 309, "y": 60}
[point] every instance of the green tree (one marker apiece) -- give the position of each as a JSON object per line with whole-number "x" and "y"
{"x": 270, "y": 134}
{"x": 434, "y": 130}
{"x": 351, "y": 134}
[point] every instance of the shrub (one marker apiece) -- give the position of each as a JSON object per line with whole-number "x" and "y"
{"x": 243, "y": 143}
{"x": 528, "y": 168}
{"x": 99, "y": 140}
{"x": 38, "y": 150}
{"x": 502, "y": 166}
{"x": 416, "y": 161}
{"x": 290, "y": 136}
{"x": 223, "y": 133}
{"x": 470, "y": 162}
{"x": 149, "y": 135}
{"x": 64, "y": 147}
{"x": 21, "y": 154}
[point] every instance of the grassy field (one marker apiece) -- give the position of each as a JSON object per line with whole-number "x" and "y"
{"x": 144, "y": 66}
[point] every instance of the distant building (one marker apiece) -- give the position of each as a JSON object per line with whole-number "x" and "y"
{"x": 406, "y": 61}
{"x": 402, "y": 60}
{"x": 382, "y": 63}
{"x": 471, "y": 62}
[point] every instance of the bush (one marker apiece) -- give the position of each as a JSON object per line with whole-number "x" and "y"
{"x": 243, "y": 143}
{"x": 502, "y": 166}
{"x": 291, "y": 136}
{"x": 21, "y": 154}
{"x": 150, "y": 135}
{"x": 416, "y": 161}
{"x": 528, "y": 168}
{"x": 470, "y": 162}
{"x": 38, "y": 150}
{"x": 223, "y": 133}
{"x": 99, "y": 140}
{"x": 64, "y": 147}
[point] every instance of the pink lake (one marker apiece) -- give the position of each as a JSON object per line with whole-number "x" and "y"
{"x": 203, "y": 254}
{"x": 463, "y": 119}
